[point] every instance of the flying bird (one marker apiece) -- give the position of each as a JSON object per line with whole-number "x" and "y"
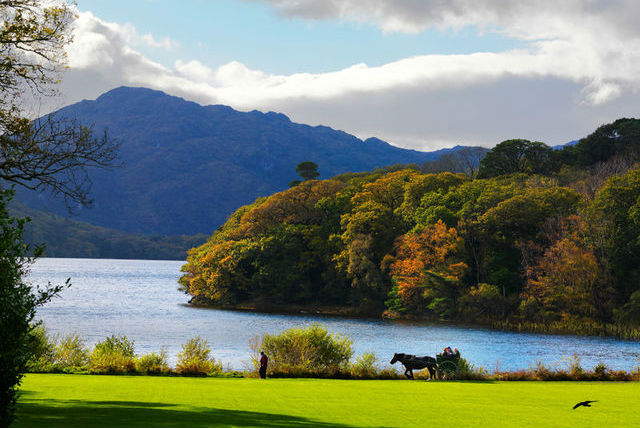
{"x": 584, "y": 403}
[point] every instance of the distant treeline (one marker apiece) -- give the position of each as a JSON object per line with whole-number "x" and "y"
{"x": 529, "y": 235}
{"x": 63, "y": 237}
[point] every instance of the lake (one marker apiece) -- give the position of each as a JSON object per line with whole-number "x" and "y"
{"x": 140, "y": 299}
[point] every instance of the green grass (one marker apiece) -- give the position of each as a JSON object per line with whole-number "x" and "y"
{"x": 146, "y": 401}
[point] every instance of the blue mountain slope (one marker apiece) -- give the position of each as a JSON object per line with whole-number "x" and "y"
{"x": 187, "y": 166}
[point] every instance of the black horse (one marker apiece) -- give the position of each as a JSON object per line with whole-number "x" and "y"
{"x": 411, "y": 362}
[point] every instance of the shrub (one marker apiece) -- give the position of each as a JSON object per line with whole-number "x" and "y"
{"x": 467, "y": 371}
{"x": 575, "y": 367}
{"x": 311, "y": 350}
{"x": 71, "y": 353}
{"x": 195, "y": 359}
{"x": 115, "y": 354}
{"x": 600, "y": 371}
{"x": 116, "y": 344}
{"x": 152, "y": 363}
{"x": 42, "y": 349}
{"x": 541, "y": 371}
{"x": 518, "y": 375}
{"x": 390, "y": 373}
{"x": 365, "y": 366}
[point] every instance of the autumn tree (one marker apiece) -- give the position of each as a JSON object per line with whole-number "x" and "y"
{"x": 369, "y": 230}
{"x": 428, "y": 191}
{"x": 515, "y": 220}
{"x": 277, "y": 250}
{"x": 427, "y": 270}
{"x": 567, "y": 282}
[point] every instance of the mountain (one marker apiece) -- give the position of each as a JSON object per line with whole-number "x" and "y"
{"x": 65, "y": 237}
{"x": 186, "y": 167}
{"x": 562, "y": 146}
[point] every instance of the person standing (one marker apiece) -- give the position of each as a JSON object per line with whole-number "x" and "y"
{"x": 263, "y": 365}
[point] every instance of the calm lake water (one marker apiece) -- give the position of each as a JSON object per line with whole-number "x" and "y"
{"x": 140, "y": 300}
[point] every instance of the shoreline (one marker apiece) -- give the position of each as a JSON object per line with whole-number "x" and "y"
{"x": 558, "y": 328}
{"x": 270, "y": 308}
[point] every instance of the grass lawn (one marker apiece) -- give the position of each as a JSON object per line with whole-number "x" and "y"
{"x": 145, "y": 401}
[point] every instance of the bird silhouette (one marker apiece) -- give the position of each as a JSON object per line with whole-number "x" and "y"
{"x": 584, "y": 403}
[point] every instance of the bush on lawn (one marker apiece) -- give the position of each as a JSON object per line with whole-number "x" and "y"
{"x": 113, "y": 355}
{"x": 152, "y": 363}
{"x": 71, "y": 354}
{"x": 195, "y": 359}
{"x": 310, "y": 351}
{"x": 42, "y": 349}
{"x": 365, "y": 366}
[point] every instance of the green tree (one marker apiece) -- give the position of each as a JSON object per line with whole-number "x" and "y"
{"x": 18, "y": 303}
{"x": 307, "y": 170}
{"x": 51, "y": 153}
{"x": 513, "y": 156}
{"x": 620, "y": 138}
{"x": 616, "y": 209}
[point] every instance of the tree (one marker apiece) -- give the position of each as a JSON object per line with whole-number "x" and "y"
{"x": 55, "y": 154}
{"x": 568, "y": 282}
{"x": 426, "y": 271}
{"x": 616, "y": 208}
{"x": 18, "y": 304}
{"x": 32, "y": 37}
{"x": 51, "y": 153}
{"x": 513, "y": 156}
{"x": 462, "y": 160}
{"x": 620, "y": 138}
{"x": 307, "y": 170}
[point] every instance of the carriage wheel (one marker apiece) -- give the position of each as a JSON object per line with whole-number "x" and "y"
{"x": 447, "y": 370}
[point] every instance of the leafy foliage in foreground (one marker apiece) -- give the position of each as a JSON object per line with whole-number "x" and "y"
{"x": 18, "y": 303}
{"x": 304, "y": 351}
{"x": 115, "y": 354}
{"x": 195, "y": 358}
{"x": 541, "y": 239}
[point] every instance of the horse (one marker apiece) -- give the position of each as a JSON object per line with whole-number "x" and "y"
{"x": 411, "y": 362}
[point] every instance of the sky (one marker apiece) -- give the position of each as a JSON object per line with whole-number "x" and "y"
{"x": 420, "y": 74}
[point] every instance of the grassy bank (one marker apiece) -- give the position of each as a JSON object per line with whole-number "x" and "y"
{"x": 130, "y": 401}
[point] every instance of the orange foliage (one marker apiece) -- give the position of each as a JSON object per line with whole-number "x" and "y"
{"x": 431, "y": 250}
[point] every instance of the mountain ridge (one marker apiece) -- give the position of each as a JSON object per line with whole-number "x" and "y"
{"x": 187, "y": 166}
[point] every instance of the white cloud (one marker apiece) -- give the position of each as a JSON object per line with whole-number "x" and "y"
{"x": 164, "y": 42}
{"x": 586, "y": 50}
{"x": 595, "y": 42}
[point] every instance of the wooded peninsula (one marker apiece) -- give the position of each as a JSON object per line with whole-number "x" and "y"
{"x": 529, "y": 237}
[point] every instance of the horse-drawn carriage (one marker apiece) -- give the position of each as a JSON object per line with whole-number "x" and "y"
{"x": 446, "y": 364}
